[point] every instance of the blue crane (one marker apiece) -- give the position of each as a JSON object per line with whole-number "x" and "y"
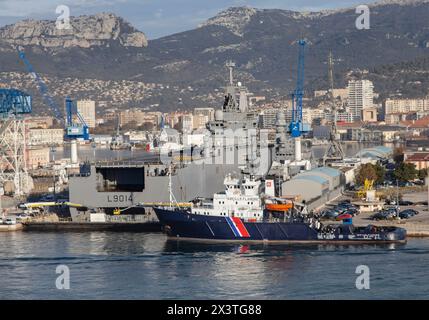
{"x": 296, "y": 127}
{"x": 42, "y": 86}
{"x": 73, "y": 130}
{"x": 14, "y": 102}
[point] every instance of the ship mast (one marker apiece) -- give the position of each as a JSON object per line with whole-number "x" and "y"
{"x": 170, "y": 188}
{"x": 231, "y": 65}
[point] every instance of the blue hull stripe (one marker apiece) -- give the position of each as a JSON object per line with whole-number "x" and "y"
{"x": 232, "y": 226}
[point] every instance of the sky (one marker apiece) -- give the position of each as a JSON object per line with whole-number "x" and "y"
{"x": 156, "y": 18}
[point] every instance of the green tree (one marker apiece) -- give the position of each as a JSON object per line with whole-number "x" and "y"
{"x": 398, "y": 155}
{"x": 366, "y": 171}
{"x": 405, "y": 172}
{"x": 381, "y": 173}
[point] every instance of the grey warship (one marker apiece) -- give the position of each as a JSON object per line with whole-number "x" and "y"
{"x": 126, "y": 185}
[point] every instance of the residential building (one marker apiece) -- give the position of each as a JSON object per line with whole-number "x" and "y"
{"x": 45, "y": 137}
{"x": 86, "y": 108}
{"x": 419, "y": 159}
{"x": 406, "y": 105}
{"x": 187, "y": 121}
{"x": 39, "y": 122}
{"x": 37, "y": 157}
{"x": 200, "y": 121}
{"x": 209, "y": 112}
{"x": 360, "y": 97}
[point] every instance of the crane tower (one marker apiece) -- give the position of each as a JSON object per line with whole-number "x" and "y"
{"x": 13, "y": 150}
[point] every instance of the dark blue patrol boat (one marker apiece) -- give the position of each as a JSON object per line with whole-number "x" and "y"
{"x": 238, "y": 215}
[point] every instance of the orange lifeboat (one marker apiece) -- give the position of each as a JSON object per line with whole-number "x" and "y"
{"x": 279, "y": 207}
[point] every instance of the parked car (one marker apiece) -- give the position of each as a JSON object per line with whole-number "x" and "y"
{"x": 405, "y": 203}
{"x": 383, "y": 215}
{"x": 330, "y": 214}
{"x": 408, "y": 213}
{"x": 344, "y": 206}
{"x": 405, "y": 215}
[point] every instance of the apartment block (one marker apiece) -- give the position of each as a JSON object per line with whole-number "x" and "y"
{"x": 86, "y": 108}
{"x": 360, "y": 97}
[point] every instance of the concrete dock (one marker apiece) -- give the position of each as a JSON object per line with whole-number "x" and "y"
{"x": 93, "y": 226}
{"x": 11, "y": 227}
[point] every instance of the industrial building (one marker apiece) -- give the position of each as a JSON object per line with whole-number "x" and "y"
{"x": 376, "y": 153}
{"x": 316, "y": 186}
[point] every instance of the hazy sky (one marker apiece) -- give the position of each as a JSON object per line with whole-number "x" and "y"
{"x": 155, "y": 17}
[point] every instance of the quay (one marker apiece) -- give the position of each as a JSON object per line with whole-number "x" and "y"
{"x": 11, "y": 227}
{"x": 93, "y": 226}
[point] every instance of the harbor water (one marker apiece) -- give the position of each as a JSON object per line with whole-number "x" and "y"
{"x": 105, "y": 265}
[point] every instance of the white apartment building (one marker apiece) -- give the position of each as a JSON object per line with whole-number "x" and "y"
{"x": 360, "y": 96}
{"x": 406, "y": 105}
{"x": 45, "y": 137}
{"x": 309, "y": 115}
{"x": 187, "y": 123}
{"x": 86, "y": 108}
{"x": 208, "y": 112}
{"x": 200, "y": 121}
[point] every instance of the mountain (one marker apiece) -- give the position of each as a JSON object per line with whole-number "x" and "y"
{"x": 83, "y": 32}
{"x": 189, "y": 66}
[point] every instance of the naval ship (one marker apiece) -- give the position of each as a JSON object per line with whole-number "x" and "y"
{"x": 116, "y": 187}
{"x": 238, "y": 215}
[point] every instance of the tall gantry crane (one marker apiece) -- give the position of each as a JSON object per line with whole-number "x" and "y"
{"x": 74, "y": 130}
{"x": 14, "y": 104}
{"x": 296, "y": 126}
{"x": 335, "y": 150}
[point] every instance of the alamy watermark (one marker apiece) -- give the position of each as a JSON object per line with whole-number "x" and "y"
{"x": 63, "y": 20}
{"x": 62, "y": 282}
{"x": 362, "y": 281}
{"x": 363, "y": 21}
{"x": 238, "y": 146}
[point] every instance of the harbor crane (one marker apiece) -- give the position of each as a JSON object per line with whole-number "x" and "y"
{"x": 296, "y": 126}
{"x": 335, "y": 150}
{"x": 73, "y": 130}
{"x": 14, "y": 104}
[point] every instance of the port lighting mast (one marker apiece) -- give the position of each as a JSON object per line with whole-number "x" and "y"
{"x": 296, "y": 127}
{"x": 335, "y": 150}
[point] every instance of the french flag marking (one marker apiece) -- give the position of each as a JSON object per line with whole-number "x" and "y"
{"x": 237, "y": 226}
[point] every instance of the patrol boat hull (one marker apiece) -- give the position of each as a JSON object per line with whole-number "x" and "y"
{"x": 182, "y": 225}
